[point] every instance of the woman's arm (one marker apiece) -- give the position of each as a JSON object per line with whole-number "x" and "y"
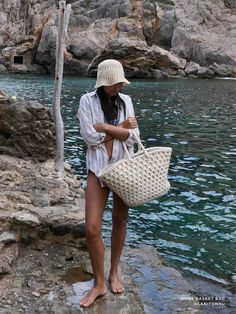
{"x": 87, "y": 131}
{"x": 120, "y": 132}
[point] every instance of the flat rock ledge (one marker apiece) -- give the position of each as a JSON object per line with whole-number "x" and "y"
{"x": 44, "y": 263}
{"x": 36, "y": 203}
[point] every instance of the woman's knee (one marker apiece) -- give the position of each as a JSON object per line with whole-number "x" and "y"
{"x": 93, "y": 230}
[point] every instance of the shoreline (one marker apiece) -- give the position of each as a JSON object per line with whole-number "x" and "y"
{"x": 79, "y": 76}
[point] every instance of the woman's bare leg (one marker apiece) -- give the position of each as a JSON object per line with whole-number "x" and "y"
{"x": 119, "y": 225}
{"x": 96, "y": 198}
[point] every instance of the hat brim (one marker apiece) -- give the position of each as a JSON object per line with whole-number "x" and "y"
{"x": 124, "y": 81}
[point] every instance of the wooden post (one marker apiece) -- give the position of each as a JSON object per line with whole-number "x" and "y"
{"x": 63, "y": 20}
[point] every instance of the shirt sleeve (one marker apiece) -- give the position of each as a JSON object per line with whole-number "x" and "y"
{"x": 131, "y": 139}
{"x": 87, "y": 131}
{"x": 130, "y": 113}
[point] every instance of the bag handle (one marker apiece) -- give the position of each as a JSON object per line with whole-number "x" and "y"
{"x": 140, "y": 145}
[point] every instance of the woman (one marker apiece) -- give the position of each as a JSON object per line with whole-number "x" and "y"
{"x": 106, "y": 117}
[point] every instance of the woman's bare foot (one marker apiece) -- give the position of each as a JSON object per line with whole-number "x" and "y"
{"x": 116, "y": 286}
{"x": 92, "y": 295}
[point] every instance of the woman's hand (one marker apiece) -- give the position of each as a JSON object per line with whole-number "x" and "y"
{"x": 130, "y": 123}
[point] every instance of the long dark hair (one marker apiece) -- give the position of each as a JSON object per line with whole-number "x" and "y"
{"x": 110, "y": 110}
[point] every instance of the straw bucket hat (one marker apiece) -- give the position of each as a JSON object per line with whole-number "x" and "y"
{"x": 110, "y": 72}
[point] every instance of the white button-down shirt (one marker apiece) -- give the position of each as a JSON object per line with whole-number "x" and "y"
{"x": 89, "y": 114}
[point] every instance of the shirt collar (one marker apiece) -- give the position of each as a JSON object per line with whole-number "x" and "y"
{"x": 94, "y": 93}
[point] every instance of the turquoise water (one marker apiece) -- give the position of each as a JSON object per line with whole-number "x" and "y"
{"x": 193, "y": 226}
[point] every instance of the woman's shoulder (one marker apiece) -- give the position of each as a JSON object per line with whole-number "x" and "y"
{"x": 88, "y": 99}
{"x": 126, "y": 98}
{"x": 88, "y": 95}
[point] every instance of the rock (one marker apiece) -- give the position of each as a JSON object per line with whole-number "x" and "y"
{"x": 60, "y": 229}
{"x": 1, "y": 247}
{"x": 27, "y": 194}
{"x": 4, "y": 99}
{"x": 181, "y": 73}
{"x": 54, "y": 290}
{"x": 231, "y": 3}
{"x": 205, "y": 73}
{"x": 79, "y": 231}
{"x": 26, "y": 239}
{"x": 151, "y": 286}
{"x": 158, "y": 74}
{"x": 215, "y": 297}
{"x": 192, "y": 68}
{"x": 8, "y": 256}
{"x": 162, "y": 288}
{"x": 47, "y": 45}
{"x": 25, "y": 127}
{"x": 36, "y": 294}
{"x": 39, "y": 200}
{"x": 223, "y": 70}
{"x": 42, "y": 231}
{"x": 7, "y": 238}
{"x": 164, "y": 33}
{"x": 25, "y": 219}
{"x": 131, "y": 53}
{"x": 202, "y": 33}
{"x": 3, "y": 69}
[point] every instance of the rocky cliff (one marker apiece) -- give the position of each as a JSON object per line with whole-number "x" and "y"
{"x": 152, "y": 38}
{"x": 26, "y": 129}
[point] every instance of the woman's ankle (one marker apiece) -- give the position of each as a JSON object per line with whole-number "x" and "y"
{"x": 99, "y": 284}
{"x": 113, "y": 274}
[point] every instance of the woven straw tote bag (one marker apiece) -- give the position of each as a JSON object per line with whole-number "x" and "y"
{"x": 139, "y": 178}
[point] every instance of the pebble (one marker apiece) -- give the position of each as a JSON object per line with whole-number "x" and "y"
{"x": 36, "y": 294}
